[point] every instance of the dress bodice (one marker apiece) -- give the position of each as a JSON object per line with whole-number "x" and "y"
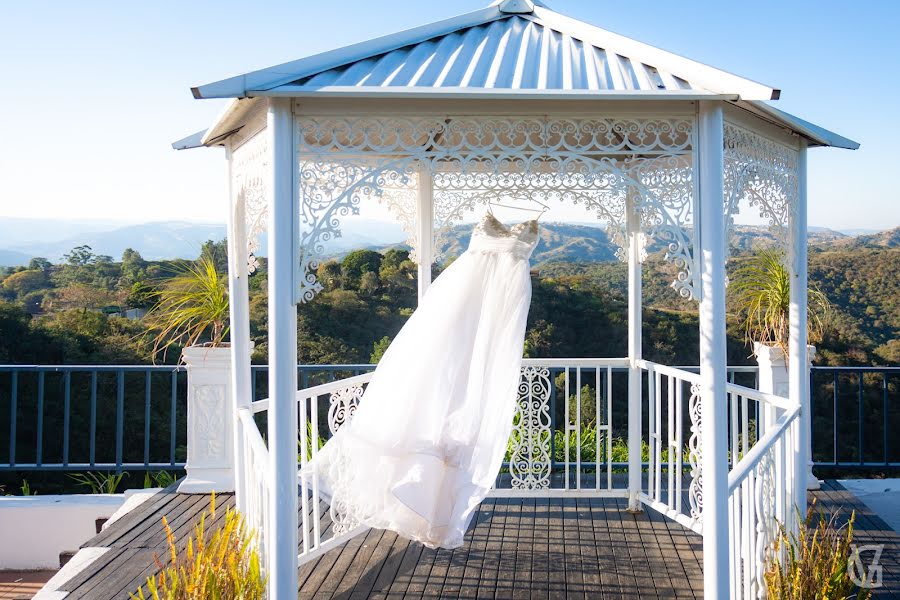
{"x": 490, "y": 235}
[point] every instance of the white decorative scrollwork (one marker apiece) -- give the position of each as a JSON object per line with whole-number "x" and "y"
{"x": 762, "y": 172}
{"x": 665, "y": 204}
{"x": 207, "y": 433}
{"x": 695, "y": 453}
{"x": 473, "y": 160}
{"x": 249, "y": 182}
{"x": 342, "y": 406}
{"x": 530, "y": 453}
{"x": 344, "y": 515}
{"x": 476, "y": 137}
{"x": 766, "y": 525}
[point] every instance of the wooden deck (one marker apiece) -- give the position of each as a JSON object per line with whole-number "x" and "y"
{"x": 515, "y": 548}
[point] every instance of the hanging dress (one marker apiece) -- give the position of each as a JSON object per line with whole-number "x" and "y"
{"x": 429, "y": 436}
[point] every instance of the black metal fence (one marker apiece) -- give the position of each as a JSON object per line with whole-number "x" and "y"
{"x": 115, "y": 418}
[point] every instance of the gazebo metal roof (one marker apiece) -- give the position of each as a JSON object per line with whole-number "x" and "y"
{"x": 510, "y": 47}
{"x": 513, "y": 49}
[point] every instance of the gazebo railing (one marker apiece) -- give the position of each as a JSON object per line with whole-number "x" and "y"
{"x": 570, "y": 417}
{"x": 254, "y": 483}
{"x": 761, "y": 489}
{"x": 670, "y": 391}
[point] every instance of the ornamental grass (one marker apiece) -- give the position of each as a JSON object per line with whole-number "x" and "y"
{"x": 221, "y": 566}
{"x": 815, "y": 562}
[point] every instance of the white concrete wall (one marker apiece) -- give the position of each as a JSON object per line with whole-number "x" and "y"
{"x": 35, "y": 529}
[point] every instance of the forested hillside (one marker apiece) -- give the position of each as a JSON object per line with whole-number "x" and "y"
{"x": 67, "y": 313}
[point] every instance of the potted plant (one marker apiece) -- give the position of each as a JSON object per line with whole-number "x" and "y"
{"x": 191, "y": 308}
{"x": 761, "y": 289}
{"x": 191, "y": 311}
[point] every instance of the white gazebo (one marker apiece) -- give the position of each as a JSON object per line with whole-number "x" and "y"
{"x": 518, "y": 101}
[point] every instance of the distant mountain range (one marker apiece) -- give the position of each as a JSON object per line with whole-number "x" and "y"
{"x": 23, "y": 239}
{"x": 571, "y": 242}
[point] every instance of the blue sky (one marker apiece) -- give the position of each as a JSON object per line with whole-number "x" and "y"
{"x": 94, "y": 92}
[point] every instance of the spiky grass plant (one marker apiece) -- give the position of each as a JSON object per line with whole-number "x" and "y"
{"x": 190, "y": 306}
{"x": 761, "y": 289}
{"x": 225, "y": 566}
{"x": 99, "y": 483}
{"x": 814, "y": 562}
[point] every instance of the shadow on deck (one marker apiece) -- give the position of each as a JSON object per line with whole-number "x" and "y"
{"x": 515, "y": 548}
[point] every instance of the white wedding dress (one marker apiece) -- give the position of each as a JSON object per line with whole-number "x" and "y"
{"x": 429, "y": 435}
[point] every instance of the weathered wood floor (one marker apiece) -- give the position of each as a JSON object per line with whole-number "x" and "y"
{"x": 516, "y": 548}
{"x": 522, "y": 548}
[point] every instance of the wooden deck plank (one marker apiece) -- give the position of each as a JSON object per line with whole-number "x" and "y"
{"x": 685, "y": 570}
{"x": 346, "y": 555}
{"x": 587, "y": 547}
{"x": 181, "y": 520}
{"x": 595, "y": 536}
{"x": 473, "y": 557}
{"x": 390, "y": 568}
{"x": 487, "y": 580}
{"x": 540, "y": 567}
{"x": 358, "y": 568}
{"x": 511, "y": 509}
{"x": 515, "y": 548}
{"x": 404, "y": 573}
{"x": 133, "y": 519}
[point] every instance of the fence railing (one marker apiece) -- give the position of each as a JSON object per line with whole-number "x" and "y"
{"x": 108, "y": 417}
{"x": 94, "y": 417}
{"x": 853, "y": 412}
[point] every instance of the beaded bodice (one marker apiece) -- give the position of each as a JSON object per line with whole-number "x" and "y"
{"x": 492, "y": 235}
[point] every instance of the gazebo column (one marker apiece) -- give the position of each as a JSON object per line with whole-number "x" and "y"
{"x": 282, "y": 529}
{"x": 713, "y": 358}
{"x": 425, "y": 228}
{"x": 635, "y": 418}
{"x": 239, "y": 327}
{"x": 798, "y": 361}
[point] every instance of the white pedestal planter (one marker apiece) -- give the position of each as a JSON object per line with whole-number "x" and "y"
{"x": 210, "y": 432}
{"x": 774, "y": 379}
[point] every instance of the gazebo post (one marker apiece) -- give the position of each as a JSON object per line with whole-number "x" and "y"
{"x": 425, "y": 227}
{"x": 713, "y": 358}
{"x": 633, "y": 227}
{"x": 282, "y": 535}
{"x": 239, "y": 326}
{"x": 798, "y": 377}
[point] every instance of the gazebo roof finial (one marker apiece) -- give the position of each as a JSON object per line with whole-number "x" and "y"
{"x": 519, "y": 7}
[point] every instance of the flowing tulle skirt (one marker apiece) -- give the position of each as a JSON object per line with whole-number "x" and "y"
{"x": 429, "y": 436}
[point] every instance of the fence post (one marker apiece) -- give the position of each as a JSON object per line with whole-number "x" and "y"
{"x": 774, "y": 378}
{"x": 210, "y": 421}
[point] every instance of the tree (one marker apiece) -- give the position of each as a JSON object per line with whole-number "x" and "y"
{"x": 358, "y": 262}
{"x": 80, "y": 256}
{"x": 133, "y": 263}
{"x": 368, "y": 283}
{"x": 25, "y": 282}
{"x": 82, "y": 297}
{"x": 217, "y": 252}
{"x": 329, "y": 275}
{"x": 379, "y": 349}
{"x": 39, "y": 263}
{"x": 140, "y": 295}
